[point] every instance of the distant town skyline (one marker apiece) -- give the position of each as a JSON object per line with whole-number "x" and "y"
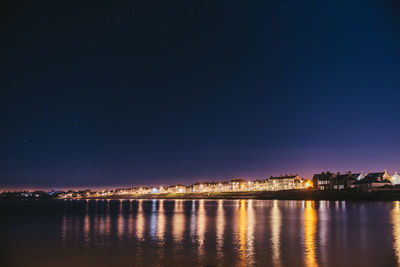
{"x": 189, "y": 181}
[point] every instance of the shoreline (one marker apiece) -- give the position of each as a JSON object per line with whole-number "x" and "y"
{"x": 306, "y": 194}
{"x": 379, "y": 195}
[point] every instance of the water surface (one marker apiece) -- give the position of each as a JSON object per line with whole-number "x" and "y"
{"x": 199, "y": 233}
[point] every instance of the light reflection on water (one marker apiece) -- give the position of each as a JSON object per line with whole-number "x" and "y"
{"x": 310, "y": 226}
{"x": 140, "y": 221}
{"x": 178, "y": 221}
{"x": 201, "y": 228}
{"x": 121, "y": 221}
{"x": 161, "y": 222}
{"x": 275, "y": 233}
{"x": 213, "y": 233}
{"x": 242, "y": 224}
{"x": 323, "y": 226}
{"x": 220, "y": 225}
{"x": 395, "y": 217}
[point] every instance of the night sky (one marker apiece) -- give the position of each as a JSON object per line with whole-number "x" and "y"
{"x": 121, "y": 93}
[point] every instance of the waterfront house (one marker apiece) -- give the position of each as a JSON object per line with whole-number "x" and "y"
{"x": 395, "y": 179}
{"x": 198, "y": 187}
{"x": 372, "y": 181}
{"x": 213, "y": 187}
{"x": 205, "y": 187}
{"x": 283, "y": 182}
{"x": 260, "y": 185}
{"x": 179, "y": 188}
{"x": 188, "y": 189}
{"x": 162, "y": 190}
{"x": 345, "y": 181}
{"x": 323, "y": 181}
{"x": 240, "y": 184}
{"x": 202, "y": 187}
{"x": 144, "y": 190}
{"x": 224, "y": 186}
{"x": 302, "y": 183}
{"x": 360, "y": 176}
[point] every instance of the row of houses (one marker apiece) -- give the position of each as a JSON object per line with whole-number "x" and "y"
{"x": 283, "y": 182}
{"x": 348, "y": 180}
{"x": 321, "y": 181}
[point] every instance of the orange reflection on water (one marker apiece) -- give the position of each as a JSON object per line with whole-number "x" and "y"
{"x": 106, "y": 221}
{"x": 246, "y": 225}
{"x": 86, "y": 224}
{"x": 130, "y": 219}
{"x": 120, "y": 221}
{"x": 220, "y": 227}
{"x": 310, "y": 226}
{"x": 178, "y": 221}
{"x": 140, "y": 220}
{"x": 193, "y": 220}
{"x": 250, "y": 232}
{"x": 86, "y": 228}
{"x": 395, "y": 218}
{"x": 201, "y": 228}
{"x": 161, "y": 221}
{"x": 276, "y": 222}
{"x": 242, "y": 231}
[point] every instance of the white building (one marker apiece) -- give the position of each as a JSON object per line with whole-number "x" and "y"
{"x": 361, "y": 176}
{"x": 395, "y": 178}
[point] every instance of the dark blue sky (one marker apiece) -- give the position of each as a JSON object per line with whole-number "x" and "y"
{"x": 157, "y": 92}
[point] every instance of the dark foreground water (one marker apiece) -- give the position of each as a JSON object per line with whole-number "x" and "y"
{"x": 199, "y": 233}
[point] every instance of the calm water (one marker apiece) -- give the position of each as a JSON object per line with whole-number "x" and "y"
{"x": 199, "y": 233}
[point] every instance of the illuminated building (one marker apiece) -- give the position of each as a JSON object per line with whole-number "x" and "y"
{"x": 205, "y": 187}
{"x": 331, "y": 181}
{"x": 323, "y": 181}
{"x": 176, "y": 189}
{"x": 261, "y": 185}
{"x": 199, "y": 187}
{"x": 223, "y": 186}
{"x": 286, "y": 182}
{"x": 240, "y": 185}
{"x": 161, "y": 190}
{"x": 303, "y": 184}
{"x": 155, "y": 190}
{"x": 144, "y": 190}
{"x": 373, "y": 181}
{"x": 345, "y": 181}
{"x": 395, "y": 179}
